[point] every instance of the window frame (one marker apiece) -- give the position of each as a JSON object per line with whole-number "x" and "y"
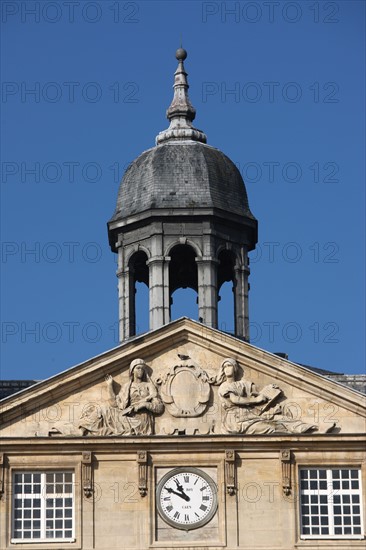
{"x": 43, "y": 463}
{"x": 43, "y": 496}
{"x": 330, "y": 491}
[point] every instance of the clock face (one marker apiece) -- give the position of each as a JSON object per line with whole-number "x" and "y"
{"x": 186, "y": 498}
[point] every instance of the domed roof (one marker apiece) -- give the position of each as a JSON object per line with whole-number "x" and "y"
{"x": 182, "y": 174}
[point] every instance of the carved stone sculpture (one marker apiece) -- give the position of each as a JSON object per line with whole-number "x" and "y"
{"x": 246, "y": 410}
{"x": 131, "y": 412}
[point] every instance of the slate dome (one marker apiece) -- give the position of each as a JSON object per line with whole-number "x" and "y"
{"x": 181, "y": 175}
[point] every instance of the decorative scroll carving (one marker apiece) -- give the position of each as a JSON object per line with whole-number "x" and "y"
{"x": 2, "y": 474}
{"x": 230, "y": 472}
{"x": 245, "y": 409}
{"x": 286, "y": 456}
{"x": 185, "y": 389}
{"x": 142, "y": 464}
{"x": 87, "y": 473}
{"x": 131, "y": 412}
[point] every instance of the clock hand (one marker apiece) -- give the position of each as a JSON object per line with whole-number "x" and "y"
{"x": 181, "y": 495}
{"x": 180, "y": 487}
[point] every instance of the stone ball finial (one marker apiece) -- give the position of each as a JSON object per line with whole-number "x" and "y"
{"x": 181, "y": 54}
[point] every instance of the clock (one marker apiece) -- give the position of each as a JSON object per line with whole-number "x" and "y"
{"x": 186, "y": 498}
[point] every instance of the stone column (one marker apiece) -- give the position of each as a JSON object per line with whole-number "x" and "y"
{"x": 166, "y": 312}
{"x": 123, "y": 303}
{"x": 123, "y": 293}
{"x": 246, "y": 304}
{"x": 241, "y": 302}
{"x": 207, "y": 290}
{"x": 157, "y": 292}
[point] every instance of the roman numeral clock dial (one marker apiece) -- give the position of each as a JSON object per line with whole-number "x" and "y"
{"x": 186, "y": 498}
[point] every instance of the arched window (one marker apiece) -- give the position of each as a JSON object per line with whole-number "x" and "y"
{"x": 183, "y": 282}
{"x": 139, "y": 293}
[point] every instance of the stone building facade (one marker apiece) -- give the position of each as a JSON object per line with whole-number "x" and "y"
{"x": 184, "y": 437}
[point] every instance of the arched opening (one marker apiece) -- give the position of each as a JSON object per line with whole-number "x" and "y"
{"x": 141, "y": 308}
{"x": 225, "y": 308}
{"x": 184, "y": 304}
{"x": 183, "y": 282}
{"x": 226, "y": 292}
{"x": 139, "y": 293}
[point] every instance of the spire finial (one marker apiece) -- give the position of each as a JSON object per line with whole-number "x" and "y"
{"x": 181, "y": 54}
{"x": 181, "y": 113}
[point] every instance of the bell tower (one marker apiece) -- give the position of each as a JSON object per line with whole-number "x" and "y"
{"x": 182, "y": 221}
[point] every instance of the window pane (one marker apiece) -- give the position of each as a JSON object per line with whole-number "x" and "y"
{"x": 337, "y": 520}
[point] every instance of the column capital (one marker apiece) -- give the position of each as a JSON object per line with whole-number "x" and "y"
{"x": 206, "y": 259}
{"x": 122, "y": 272}
{"x": 241, "y": 269}
{"x": 155, "y": 260}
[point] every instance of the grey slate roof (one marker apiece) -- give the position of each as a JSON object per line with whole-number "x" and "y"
{"x": 182, "y": 174}
{"x": 8, "y": 387}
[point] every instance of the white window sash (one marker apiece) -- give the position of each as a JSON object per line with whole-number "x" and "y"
{"x": 43, "y": 496}
{"x": 329, "y": 492}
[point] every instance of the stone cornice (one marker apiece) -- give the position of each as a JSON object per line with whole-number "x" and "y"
{"x": 215, "y": 443}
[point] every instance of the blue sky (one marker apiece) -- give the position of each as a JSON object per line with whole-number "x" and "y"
{"x": 278, "y": 87}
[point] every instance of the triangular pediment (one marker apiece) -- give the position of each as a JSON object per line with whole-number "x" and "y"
{"x": 187, "y": 391}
